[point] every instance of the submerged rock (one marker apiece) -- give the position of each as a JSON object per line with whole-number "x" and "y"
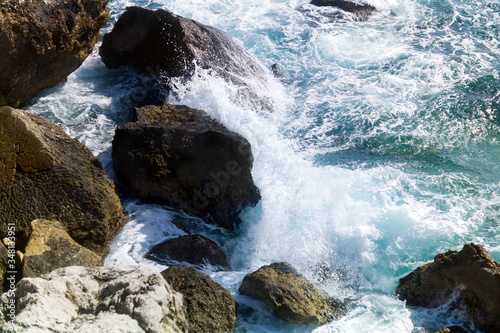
{"x": 290, "y": 295}
{"x": 180, "y": 157}
{"x": 102, "y": 299}
{"x": 43, "y": 42}
{"x": 193, "y": 249}
{"x": 168, "y": 45}
{"x": 46, "y": 174}
{"x": 362, "y": 10}
{"x": 470, "y": 276}
{"x": 50, "y": 247}
{"x": 208, "y": 306}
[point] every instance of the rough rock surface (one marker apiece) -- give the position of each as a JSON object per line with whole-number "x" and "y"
{"x": 470, "y": 272}
{"x": 362, "y": 10}
{"x": 193, "y": 249}
{"x": 102, "y": 299}
{"x": 180, "y": 157}
{"x": 290, "y": 295}
{"x": 46, "y": 174}
{"x": 208, "y": 306}
{"x": 168, "y": 45}
{"x": 43, "y": 42}
{"x": 50, "y": 247}
{"x": 4, "y": 258}
{"x": 452, "y": 329}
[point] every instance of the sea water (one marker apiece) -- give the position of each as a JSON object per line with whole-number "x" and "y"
{"x": 381, "y": 151}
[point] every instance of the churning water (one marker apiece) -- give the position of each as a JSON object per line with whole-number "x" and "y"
{"x": 383, "y": 148}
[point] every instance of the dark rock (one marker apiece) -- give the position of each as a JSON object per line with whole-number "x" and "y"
{"x": 192, "y": 249}
{"x": 290, "y": 295}
{"x": 181, "y": 226}
{"x": 471, "y": 273}
{"x": 50, "y": 247}
{"x": 452, "y": 329}
{"x": 43, "y": 42}
{"x": 4, "y": 260}
{"x": 208, "y": 306}
{"x": 167, "y": 45}
{"x": 180, "y": 157}
{"x": 360, "y": 9}
{"x": 46, "y": 174}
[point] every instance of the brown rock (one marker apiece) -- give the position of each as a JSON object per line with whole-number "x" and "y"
{"x": 46, "y": 174}
{"x": 43, "y": 42}
{"x": 50, "y": 247}
{"x": 209, "y": 307}
{"x": 471, "y": 273}
{"x": 290, "y": 295}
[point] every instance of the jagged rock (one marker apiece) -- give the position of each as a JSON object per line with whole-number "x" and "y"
{"x": 101, "y": 299}
{"x": 452, "y": 329}
{"x": 46, "y": 174}
{"x": 362, "y": 10}
{"x": 193, "y": 249}
{"x": 4, "y": 259}
{"x": 471, "y": 273}
{"x": 180, "y": 157}
{"x": 50, "y": 247}
{"x": 290, "y": 295}
{"x": 168, "y": 45}
{"x": 43, "y": 42}
{"x": 208, "y": 306}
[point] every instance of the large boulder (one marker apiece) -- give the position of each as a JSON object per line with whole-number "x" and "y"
{"x": 361, "y": 10}
{"x": 180, "y": 157}
{"x": 168, "y": 45}
{"x": 50, "y": 247}
{"x": 46, "y": 174}
{"x": 193, "y": 249}
{"x": 43, "y": 42}
{"x": 290, "y": 296}
{"x": 208, "y": 306}
{"x": 470, "y": 276}
{"x": 102, "y": 299}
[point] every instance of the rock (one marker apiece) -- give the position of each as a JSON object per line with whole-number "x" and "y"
{"x": 43, "y": 42}
{"x": 208, "y": 306}
{"x": 50, "y": 247}
{"x": 46, "y": 174}
{"x": 193, "y": 249}
{"x": 290, "y": 295}
{"x": 101, "y": 299}
{"x": 470, "y": 275}
{"x": 168, "y": 45}
{"x": 180, "y": 157}
{"x": 4, "y": 260}
{"x": 452, "y": 329}
{"x": 362, "y": 10}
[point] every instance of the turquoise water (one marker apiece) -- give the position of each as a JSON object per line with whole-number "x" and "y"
{"x": 382, "y": 151}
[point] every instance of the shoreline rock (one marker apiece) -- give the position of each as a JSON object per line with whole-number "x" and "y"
{"x": 43, "y": 42}
{"x": 361, "y": 10}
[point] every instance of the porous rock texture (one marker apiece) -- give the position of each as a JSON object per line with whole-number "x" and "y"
{"x": 43, "y": 42}
{"x": 469, "y": 275}
{"x": 46, "y": 174}
{"x": 103, "y": 299}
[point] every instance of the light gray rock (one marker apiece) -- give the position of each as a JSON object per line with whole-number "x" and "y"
{"x": 101, "y": 299}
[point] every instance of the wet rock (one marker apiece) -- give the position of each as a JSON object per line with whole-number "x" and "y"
{"x": 50, "y": 247}
{"x": 362, "y": 10}
{"x": 192, "y": 249}
{"x": 208, "y": 306}
{"x": 452, "y": 329}
{"x": 168, "y": 45}
{"x": 470, "y": 276}
{"x": 290, "y": 295}
{"x": 43, "y": 42}
{"x": 180, "y": 157}
{"x": 102, "y": 299}
{"x": 46, "y": 174}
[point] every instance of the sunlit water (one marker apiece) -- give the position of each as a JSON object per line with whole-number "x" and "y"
{"x": 382, "y": 149}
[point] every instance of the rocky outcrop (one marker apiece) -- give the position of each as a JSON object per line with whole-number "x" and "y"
{"x": 193, "y": 249}
{"x": 362, "y": 10}
{"x": 290, "y": 295}
{"x": 180, "y": 157}
{"x": 103, "y": 299}
{"x": 50, "y": 247}
{"x": 470, "y": 276}
{"x": 43, "y": 42}
{"x": 452, "y": 329}
{"x": 46, "y": 174}
{"x": 208, "y": 306}
{"x": 168, "y": 45}
{"x": 4, "y": 259}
